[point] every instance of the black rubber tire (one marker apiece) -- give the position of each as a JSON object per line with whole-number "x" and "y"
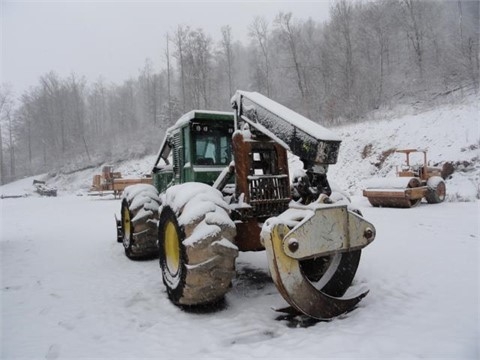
{"x": 196, "y": 273}
{"x": 343, "y": 276}
{"x": 139, "y": 216}
{"x": 436, "y": 191}
{"x": 173, "y": 280}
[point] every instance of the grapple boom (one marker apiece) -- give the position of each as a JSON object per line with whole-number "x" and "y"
{"x": 303, "y": 137}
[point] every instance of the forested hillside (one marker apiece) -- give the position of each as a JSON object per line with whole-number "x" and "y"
{"x": 369, "y": 55}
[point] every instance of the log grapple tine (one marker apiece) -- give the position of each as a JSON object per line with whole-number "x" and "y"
{"x": 295, "y": 288}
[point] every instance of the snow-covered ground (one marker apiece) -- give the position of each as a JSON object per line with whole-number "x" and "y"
{"x": 67, "y": 290}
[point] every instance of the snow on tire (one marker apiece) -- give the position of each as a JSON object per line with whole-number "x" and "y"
{"x": 139, "y": 213}
{"x": 196, "y": 249}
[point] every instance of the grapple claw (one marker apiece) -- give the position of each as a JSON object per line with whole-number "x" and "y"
{"x": 292, "y": 283}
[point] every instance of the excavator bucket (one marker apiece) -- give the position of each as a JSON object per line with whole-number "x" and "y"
{"x": 325, "y": 231}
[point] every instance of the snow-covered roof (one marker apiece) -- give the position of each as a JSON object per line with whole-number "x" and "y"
{"x": 198, "y": 113}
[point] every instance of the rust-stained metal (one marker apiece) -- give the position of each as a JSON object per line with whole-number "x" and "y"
{"x": 262, "y": 182}
{"x": 248, "y": 235}
{"x": 368, "y": 233}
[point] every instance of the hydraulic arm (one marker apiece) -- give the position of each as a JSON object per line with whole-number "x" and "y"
{"x": 316, "y": 146}
{"x": 313, "y": 231}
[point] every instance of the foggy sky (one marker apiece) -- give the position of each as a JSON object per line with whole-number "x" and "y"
{"x": 112, "y": 39}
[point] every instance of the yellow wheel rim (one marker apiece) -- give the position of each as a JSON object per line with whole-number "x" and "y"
{"x": 126, "y": 223}
{"x": 172, "y": 248}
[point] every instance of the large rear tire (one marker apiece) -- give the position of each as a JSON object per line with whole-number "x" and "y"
{"x": 196, "y": 250}
{"x": 139, "y": 217}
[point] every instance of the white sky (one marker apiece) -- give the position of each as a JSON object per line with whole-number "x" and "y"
{"x": 113, "y": 38}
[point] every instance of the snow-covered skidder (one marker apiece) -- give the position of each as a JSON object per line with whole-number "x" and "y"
{"x": 221, "y": 184}
{"x": 413, "y": 183}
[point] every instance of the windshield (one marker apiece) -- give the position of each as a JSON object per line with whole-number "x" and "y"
{"x": 212, "y": 148}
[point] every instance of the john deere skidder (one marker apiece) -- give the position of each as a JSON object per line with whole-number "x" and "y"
{"x": 222, "y": 185}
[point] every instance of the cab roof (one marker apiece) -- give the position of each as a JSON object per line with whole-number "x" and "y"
{"x": 203, "y": 114}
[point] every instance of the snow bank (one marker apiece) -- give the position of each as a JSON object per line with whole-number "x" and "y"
{"x": 450, "y": 133}
{"x": 22, "y": 187}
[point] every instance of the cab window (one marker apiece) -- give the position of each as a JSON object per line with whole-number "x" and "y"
{"x": 212, "y": 147}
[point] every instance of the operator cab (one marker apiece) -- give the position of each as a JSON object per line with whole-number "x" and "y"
{"x": 212, "y": 144}
{"x": 413, "y": 169}
{"x": 196, "y": 149}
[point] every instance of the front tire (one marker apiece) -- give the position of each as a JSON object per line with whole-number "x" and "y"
{"x": 172, "y": 254}
{"x": 195, "y": 240}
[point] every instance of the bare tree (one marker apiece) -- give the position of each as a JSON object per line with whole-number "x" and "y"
{"x": 291, "y": 35}
{"x": 97, "y": 109}
{"x": 342, "y": 15}
{"x": 414, "y": 12}
{"x": 5, "y": 106}
{"x": 54, "y": 110}
{"x": 258, "y": 31}
{"x": 180, "y": 38}
{"x": 74, "y": 93}
{"x": 375, "y": 29}
{"x": 469, "y": 34}
{"x": 369, "y": 53}
{"x": 197, "y": 64}
{"x": 169, "y": 93}
{"x": 149, "y": 85}
{"x": 11, "y": 143}
{"x": 226, "y": 44}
